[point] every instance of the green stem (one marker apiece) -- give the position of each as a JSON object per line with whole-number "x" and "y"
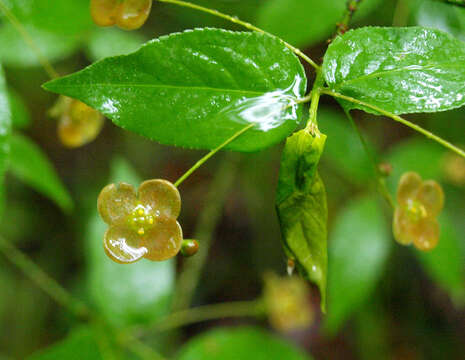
{"x": 52, "y": 73}
{"x": 401, "y": 13}
{"x": 315, "y": 100}
{"x": 381, "y": 183}
{"x": 460, "y": 3}
{"x": 351, "y": 7}
{"x": 245, "y": 24}
{"x": 254, "y": 308}
{"x": 189, "y": 277}
{"x": 42, "y": 280}
{"x": 210, "y": 154}
{"x": 397, "y": 118}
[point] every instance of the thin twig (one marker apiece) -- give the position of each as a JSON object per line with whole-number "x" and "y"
{"x": 397, "y": 118}
{"x": 245, "y": 24}
{"x": 351, "y": 7}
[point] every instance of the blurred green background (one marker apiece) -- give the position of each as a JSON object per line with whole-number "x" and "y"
{"x": 385, "y": 301}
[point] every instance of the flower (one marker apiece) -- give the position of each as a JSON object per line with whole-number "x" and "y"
{"x": 78, "y": 123}
{"x": 142, "y": 225}
{"x": 419, "y": 204}
{"x": 126, "y": 14}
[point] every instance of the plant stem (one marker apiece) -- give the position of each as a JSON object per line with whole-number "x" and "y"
{"x": 381, "y": 184}
{"x": 210, "y": 154}
{"x": 460, "y": 3}
{"x": 42, "y": 280}
{"x": 52, "y": 73}
{"x": 178, "y": 319}
{"x": 245, "y": 24}
{"x": 397, "y": 118}
{"x": 189, "y": 277}
{"x": 315, "y": 100}
{"x": 351, "y": 8}
{"x": 401, "y": 13}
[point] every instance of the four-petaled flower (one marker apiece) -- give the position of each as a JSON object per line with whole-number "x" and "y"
{"x": 419, "y": 204}
{"x": 142, "y": 225}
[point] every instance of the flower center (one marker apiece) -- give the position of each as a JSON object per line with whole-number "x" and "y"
{"x": 415, "y": 210}
{"x": 141, "y": 219}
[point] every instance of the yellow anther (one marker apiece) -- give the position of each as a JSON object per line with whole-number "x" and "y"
{"x": 141, "y": 212}
{"x": 151, "y": 221}
{"x": 141, "y": 231}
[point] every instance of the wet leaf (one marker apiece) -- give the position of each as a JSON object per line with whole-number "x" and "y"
{"x": 401, "y": 70}
{"x": 301, "y": 206}
{"x": 29, "y": 164}
{"x": 197, "y": 88}
{"x": 5, "y": 132}
{"x": 80, "y": 344}
{"x": 306, "y": 28}
{"x": 359, "y": 245}
{"x": 245, "y": 343}
{"x": 125, "y": 294}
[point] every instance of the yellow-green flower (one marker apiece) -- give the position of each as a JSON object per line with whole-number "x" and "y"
{"x": 142, "y": 224}
{"x": 419, "y": 204}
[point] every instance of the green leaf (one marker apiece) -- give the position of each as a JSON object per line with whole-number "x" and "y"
{"x": 444, "y": 264}
{"x": 126, "y": 294}
{"x": 80, "y": 344}
{"x": 5, "y": 132}
{"x": 29, "y": 164}
{"x": 401, "y": 70}
{"x": 244, "y": 343}
{"x": 20, "y": 117}
{"x": 106, "y": 42}
{"x": 359, "y": 245}
{"x": 306, "y": 22}
{"x": 344, "y": 150}
{"x": 197, "y": 88}
{"x": 15, "y": 52}
{"x": 302, "y": 208}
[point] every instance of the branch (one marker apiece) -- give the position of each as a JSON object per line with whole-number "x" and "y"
{"x": 351, "y": 8}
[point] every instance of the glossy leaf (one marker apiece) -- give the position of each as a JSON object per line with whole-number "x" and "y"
{"x": 359, "y": 245}
{"x": 80, "y": 344}
{"x": 312, "y": 20}
{"x": 15, "y": 52}
{"x": 244, "y": 343}
{"x": 20, "y": 117}
{"x": 29, "y": 164}
{"x": 344, "y": 150}
{"x": 126, "y": 294}
{"x": 106, "y": 42}
{"x": 197, "y": 88}
{"x": 302, "y": 208}
{"x": 401, "y": 70}
{"x": 445, "y": 263}
{"x": 5, "y": 132}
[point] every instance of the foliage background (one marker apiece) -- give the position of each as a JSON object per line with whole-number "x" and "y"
{"x": 396, "y": 303}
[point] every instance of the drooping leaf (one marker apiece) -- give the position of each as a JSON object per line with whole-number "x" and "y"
{"x": 5, "y": 132}
{"x": 302, "y": 208}
{"x": 106, "y": 42}
{"x": 15, "y": 52}
{"x": 245, "y": 343}
{"x": 197, "y": 88}
{"x": 312, "y": 20}
{"x": 344, "y": 150}
{"x": 126, "y": 294}
{"x": 29, "y": 164}
{"x": 80, "y": 344}
{"x": 20, "y": 117}
{"x": 359, "y": 245}
{"x": 401, "y": 70}
{"x": 445, "y": 263}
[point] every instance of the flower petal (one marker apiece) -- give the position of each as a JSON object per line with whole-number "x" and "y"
{"x": 162, "y": 196}
{"x": 401, "y": 227}
{"x": 123, "y": 245}
{"x": 164, "y": 240}
{"x": 115, "y": 203}
{"x": 426, "y": 234}
{"x": 409, "y": 184}
{"x": 432, "y": 197}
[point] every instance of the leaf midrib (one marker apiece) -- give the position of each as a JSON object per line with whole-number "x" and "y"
{"x": 194, "y": 88}
{"x": 407, "y": 69}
